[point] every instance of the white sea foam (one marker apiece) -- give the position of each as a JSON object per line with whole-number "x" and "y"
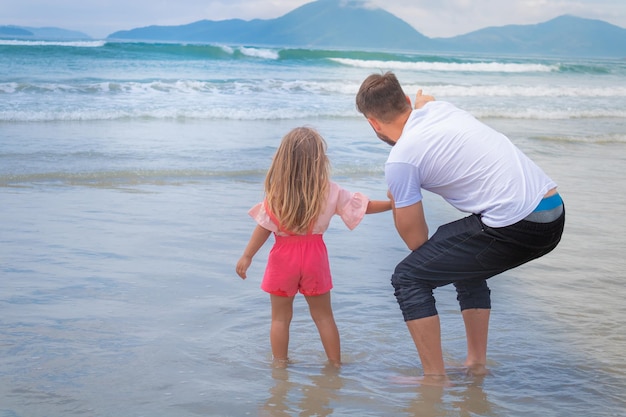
{"x": 504, "y": 90}
{"x": 191, "y": 112}
{"x": 233, "y": 112}
{"x": 259, "y": 52}
{"x": 274, "y": 86}
{"x": 251, "y": 52}
{"x": 168, "y": 85}
{"x": 447, "y": 66}
{"x": 538, "y": 113}
{"x": 227, "y": 49}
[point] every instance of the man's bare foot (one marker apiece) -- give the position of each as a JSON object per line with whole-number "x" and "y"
{"x": 477, "y": 370}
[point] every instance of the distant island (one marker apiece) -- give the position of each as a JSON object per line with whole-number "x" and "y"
{"x": 47, "y": 33}
{"x": 348, "y": 24}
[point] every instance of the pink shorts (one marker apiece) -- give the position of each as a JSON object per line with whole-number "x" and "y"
{"x": 298, "y": 263}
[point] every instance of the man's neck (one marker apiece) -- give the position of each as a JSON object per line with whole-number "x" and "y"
{"x": 399, "y": 123}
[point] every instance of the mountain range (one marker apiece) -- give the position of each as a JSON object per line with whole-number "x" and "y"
{"x": 350, "y": 24}
{"x": 47, "y": 33}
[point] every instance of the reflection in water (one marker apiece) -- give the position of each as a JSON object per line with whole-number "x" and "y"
{"x": 472, "y": 400}
{"x": 309, "y": 399}
{"x": 315, "y": 393}
{"x": 468, "y": 398}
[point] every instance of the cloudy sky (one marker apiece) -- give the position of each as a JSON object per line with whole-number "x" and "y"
{"x": 439, "y": 18}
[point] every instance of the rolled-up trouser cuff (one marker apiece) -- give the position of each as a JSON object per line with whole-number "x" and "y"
{"x": 473, "y": 294}
{"x": 414, "y": 298}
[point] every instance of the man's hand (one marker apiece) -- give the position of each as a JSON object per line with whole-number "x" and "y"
{"x": 421, "y": 99}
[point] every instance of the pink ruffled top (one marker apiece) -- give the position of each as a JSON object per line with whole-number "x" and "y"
{"x": 349, "y": 206}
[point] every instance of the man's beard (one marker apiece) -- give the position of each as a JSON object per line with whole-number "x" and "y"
{"x": 385, "y": 139}
{"x": 381, "y": 136}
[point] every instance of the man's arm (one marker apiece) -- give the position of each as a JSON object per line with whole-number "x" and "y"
{"x": 411, "y": 224}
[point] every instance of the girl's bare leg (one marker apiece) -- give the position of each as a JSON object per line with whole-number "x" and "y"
{"x": 282, "y": 312}
{"x": 322, "y": 315}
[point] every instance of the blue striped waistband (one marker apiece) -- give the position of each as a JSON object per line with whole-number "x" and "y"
{"x": 549, "y": 203}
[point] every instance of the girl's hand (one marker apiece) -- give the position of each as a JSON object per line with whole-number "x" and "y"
{"x": 242, "y": 266}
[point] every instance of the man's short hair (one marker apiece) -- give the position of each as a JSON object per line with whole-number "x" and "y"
{"x": 381, "y": 97}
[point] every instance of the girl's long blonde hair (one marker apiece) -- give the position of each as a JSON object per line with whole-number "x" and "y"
{"x": 297, "y": 182}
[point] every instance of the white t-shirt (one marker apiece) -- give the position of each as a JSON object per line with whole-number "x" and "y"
{"x": 476, "y": 169}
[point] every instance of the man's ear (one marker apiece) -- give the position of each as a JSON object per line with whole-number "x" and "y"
{"x": 408, "y": 100}
{"x": 374, "y": 123}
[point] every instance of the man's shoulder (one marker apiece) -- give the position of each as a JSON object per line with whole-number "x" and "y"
{"x": 432, "y": 111}
{"x": 436, "y": 105}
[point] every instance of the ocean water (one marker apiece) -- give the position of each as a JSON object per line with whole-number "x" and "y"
{"x": 127, "y": 169}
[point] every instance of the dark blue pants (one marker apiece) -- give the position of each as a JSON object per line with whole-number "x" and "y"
{"x": 466, "y": 253}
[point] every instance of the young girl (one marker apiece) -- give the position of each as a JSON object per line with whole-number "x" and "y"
{"x": 299, "y": 202}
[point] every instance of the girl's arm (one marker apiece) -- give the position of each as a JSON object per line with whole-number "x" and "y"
{"x": 378, "y": 206}
{"x": 258, "y": 238}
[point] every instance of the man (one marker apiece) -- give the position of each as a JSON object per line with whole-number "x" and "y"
{"x": 516, "y": 213}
